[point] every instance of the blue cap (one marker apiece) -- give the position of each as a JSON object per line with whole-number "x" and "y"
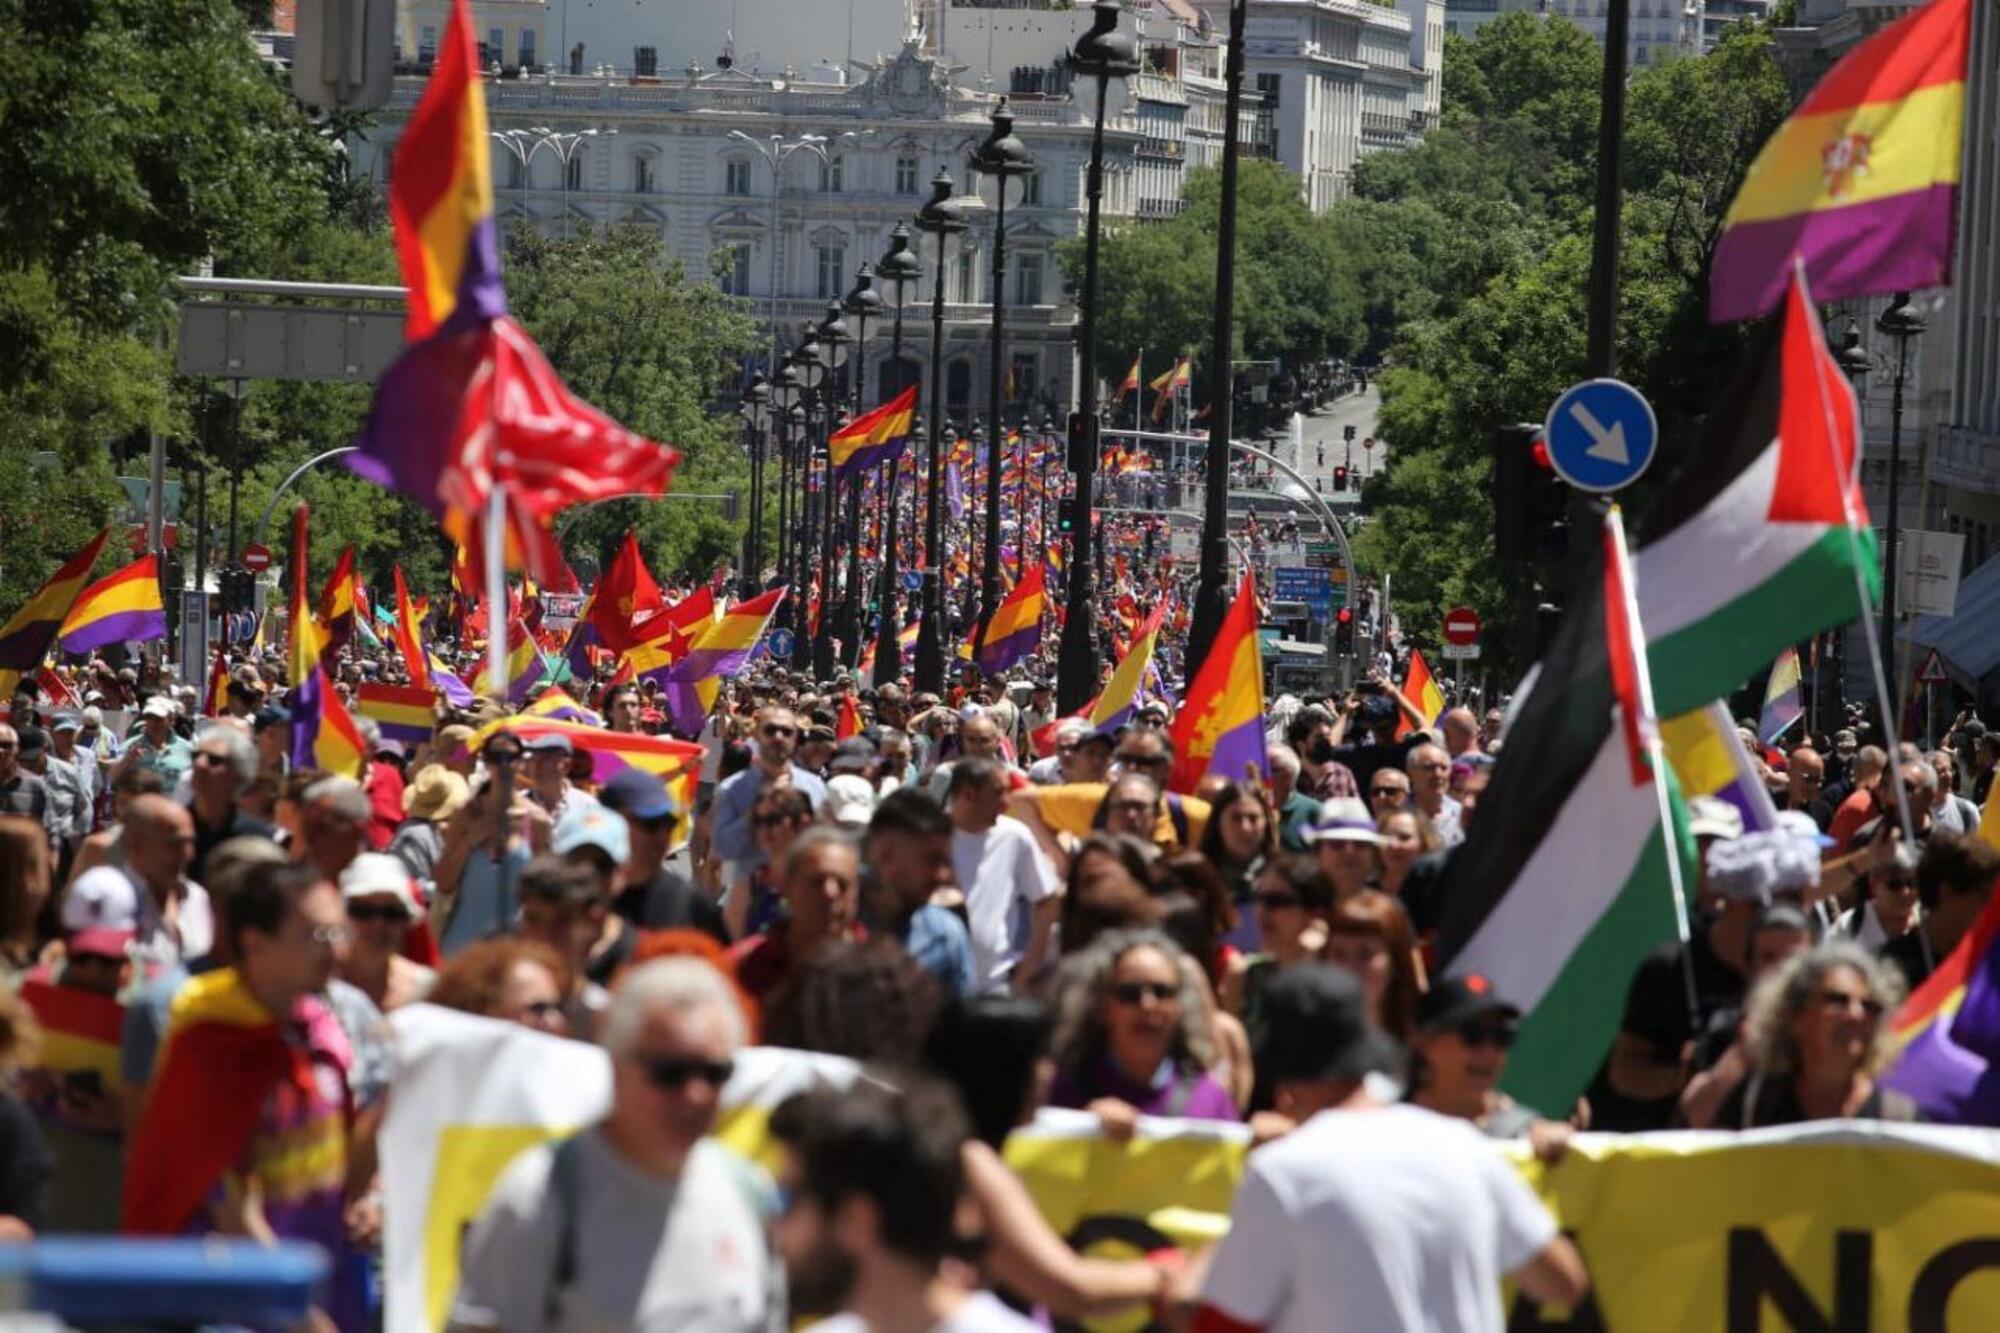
{"x": 637, "y": 794}
{"x": 591, "y": 825}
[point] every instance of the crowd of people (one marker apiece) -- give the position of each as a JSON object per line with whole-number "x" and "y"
{"x": 1000, "y": 910}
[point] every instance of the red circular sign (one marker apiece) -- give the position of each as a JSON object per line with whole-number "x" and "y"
{"x": 1461, "y": 626}
{"x": 256, "y": 558}
{"x": 1368, "y": 443}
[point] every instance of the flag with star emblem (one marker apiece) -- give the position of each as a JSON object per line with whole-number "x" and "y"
{"x": 1220, "y": 727}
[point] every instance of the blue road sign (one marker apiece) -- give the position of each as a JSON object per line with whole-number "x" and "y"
{"x": 1312, "y": 586}
{"x": 781, "y": 642}
{"x": 912, "y": 581}
{"x": 1601, "y": 435}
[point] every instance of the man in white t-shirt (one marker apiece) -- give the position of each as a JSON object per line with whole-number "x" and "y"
{"x": 1010, "y": 887}
{"x": 1371, "y": 1215}
{"x": 873, "y": 1178}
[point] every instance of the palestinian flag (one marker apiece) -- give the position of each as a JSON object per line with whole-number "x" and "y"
{"x": 1755, "y": 543}
{"x": 1562, "y": 884}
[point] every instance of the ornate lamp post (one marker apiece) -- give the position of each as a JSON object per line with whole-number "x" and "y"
{"x": 1003, "y": 156}
{"x": 812, "y": 374}
{"x": 897, "y": 268}
{"x": 862, "y": 302}
{"x": 784, "y": 399}
{"x": 939, "y": 217}
{"x": 1103, "y": 53}
{"x": 1905, "y": 323}
{"x": 756, "y": 426}
{"x": 833, "y": 335}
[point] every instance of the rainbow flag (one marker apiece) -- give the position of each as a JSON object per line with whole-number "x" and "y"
{"x": 323, "y": 732}
{"x": 405, "y": 713}
{"x": 80, "y": 1030}
{"x": 25, "y": 638}
{"x": 1220, "y": 726}
{"x": 720, "y": 650}
{"x": 1708, "y": 758}
{"x": 873, "y": 438}
{"x": 1861, "y": 182}
{"x": 1420, "y": 687}
{"x": 407, "y": 630}
{"x": 1782, "y": 706}
{"x": 1947, "y": 1034}
{"x": 1014, "y": 630}
{"x": 124, "y": 607}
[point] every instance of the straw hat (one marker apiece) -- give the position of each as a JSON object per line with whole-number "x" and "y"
{"x": 435, "y": 793}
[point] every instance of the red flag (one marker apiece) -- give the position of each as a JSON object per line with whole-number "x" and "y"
{"x": 337, "y": 606}
{"x": 625, "y": 595}
{"x": 849, "y": 721}
{"x": 1627, "y": 652}
{"x": 59, "y": 693}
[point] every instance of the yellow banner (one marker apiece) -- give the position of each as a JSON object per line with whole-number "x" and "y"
{"x": 1833, "y": 1226}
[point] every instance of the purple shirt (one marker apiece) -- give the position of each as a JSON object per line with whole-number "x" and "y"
{"x": 1172, "y": 1091}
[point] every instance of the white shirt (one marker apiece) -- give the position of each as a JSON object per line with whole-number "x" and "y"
{"x": 1003, "y": 874}
{"x": 1387, "y": 1218}
{"x": 982, "y": 1313}
{"x": 652, "y": 1256}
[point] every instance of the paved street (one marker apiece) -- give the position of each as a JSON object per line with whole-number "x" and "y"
{"x": 1325, "y": 448}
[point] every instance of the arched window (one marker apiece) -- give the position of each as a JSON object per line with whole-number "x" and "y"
{"x": 573, "y": 170}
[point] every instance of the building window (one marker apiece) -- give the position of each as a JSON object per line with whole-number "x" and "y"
{"x": 495, "y": 51}
{"x": 642, "y": 175}
{"x": 736, "y": 176}
{"x": 1022, "y": 373}
{"x": 1031, "y": 188}
{"x": 830, "y": 172}
{"x": 1267, "y": 88}
{"x": 968, "y": 276}
{"x": 1028, "y": 279}
{"x": 733, "y": 270}
{"x": 645, "y": 61}
{"x": 427, "y": 45}
{"x": 517, "y": 173}
{"x": 527, "y": 48}
{"x": 906, "y": 175}
{"x": 831, "y": 262}
{"x": 573, "y": 171}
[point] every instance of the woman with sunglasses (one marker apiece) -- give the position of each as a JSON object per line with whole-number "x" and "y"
{"x": 1133, "y": 1035}
{"x": 779, "y": 816}
{"x": 381, "y": 904}
{"x": 1814, "y": 1031}
{"x": 1459, "y": 1052}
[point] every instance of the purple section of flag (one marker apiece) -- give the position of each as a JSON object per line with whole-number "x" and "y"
{"x": 954, "y": 491}
{"x": 995, "y": 658}
{"x": 1885, "y": 245}
{"x": 455, "y": 691}
{"x": 305, "y": 705}
{"x": 123, "y": 627}
{"x": 1949, "y": 1068}
{"x": 870, "y": 456}
{"x": 686, "y": 707}
{"x": 411, "y": 434}
{"x": 1240, "y": 747}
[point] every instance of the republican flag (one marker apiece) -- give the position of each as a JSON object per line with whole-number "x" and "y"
{"x": 1420, "y": 687}
{"x": 1860, "y": 184}
{"x": 1130, "y": 384}
{"x": 472, "y": 404}
{"x": 80, "y": 1030}
{"x": 721, "y": 650}
{"x": 1708, "y": 759}
{"x": 1120, "y": 698}
{"x": 409, "y": 634}
{"x": 337, "y": 603}
{"x": 1947, "y": 1034}
{"x": 306, "y": 641}
{"x": 665, "y": 637}
{"x": 555, "y": 702}
{"x": 1014, "y": 630}
{"x": 873, "y": 438}
{"x": 323, "y": 732}
{"x": 124, "y": 607}
{"x": 906, "y": 640}
{"x": 405, "y": 713}
{"x": 25, "y": 638}
{"x": 448, "y": 683}
{"x": 848, "y": 721}
{"x": 215, "y": 699}
{"x": 1220, "y": 726}
{"x": 1782, "y": 705}
{"x": 525, "y": 667}
{"x": 1761, "y": 539}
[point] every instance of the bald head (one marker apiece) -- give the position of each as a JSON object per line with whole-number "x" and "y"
{"x": 1805, "y": 773}
{"x": 1461, "y": 731}
{"x": 159, "y": 841}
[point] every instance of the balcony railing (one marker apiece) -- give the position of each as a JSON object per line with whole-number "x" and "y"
{"x": 1968, "y": 458}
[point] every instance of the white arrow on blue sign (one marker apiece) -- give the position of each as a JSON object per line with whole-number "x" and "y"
{"x": 912, "y": 581}
{"x": 1601, "y": 435}
{"x": 780, "y": 641}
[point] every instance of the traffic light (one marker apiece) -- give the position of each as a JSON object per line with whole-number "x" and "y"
{"x": 1082, "y": 442}
{"x": 1343, "y": 631}
{"x": 1347, "y": 433}
{"x": 1530, "y": 502}
{"x": 1340, "y": 476}
{"x": 1066, "y": 515}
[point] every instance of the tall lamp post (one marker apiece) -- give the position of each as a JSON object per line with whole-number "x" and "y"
{"x": 756, "y": 425}
{"x": 1211, "y": 596}
{"x": 1004, "y": 157}
{"x": 833, "y": 335}
{"x": 898, "y": 267}
{"x": 776, "y": 151}
{"x": 941, "y": 217}
{"x": 1905, "y": 323}
{"x": 565, "y": 144}
{"x": 812, "y": 374}
{"x": 784, "y": 389}
{"x": 863, "y": 302}
{"x": 1103, "y": 53}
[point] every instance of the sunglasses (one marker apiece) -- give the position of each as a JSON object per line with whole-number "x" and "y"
{"x": 365, "y": 912}
{"x": 1476, "y": 1034}
{"x": 1388, "y": 791}
{"x": 1146, "y": 759}
{"x": 1275, "y": 902}
{"x": 671, "y": 1073}
{"x": 1135, "y": 992}
{"x": 1835, "y": 999}
{"x": 779, "y": 733}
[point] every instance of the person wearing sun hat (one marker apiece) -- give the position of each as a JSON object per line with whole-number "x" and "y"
{"x": 382, "y": 905}
{"x": 433, "y": 796}
{"x": 1346, "y": 844}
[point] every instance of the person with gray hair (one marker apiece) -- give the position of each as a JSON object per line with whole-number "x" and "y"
{"x": 336, "y": 824}
{"x": 1813, "y": 1028}
{"x": 643, "y": 1221}
{"x": 1949, "y": 811}
{"x": 1297, "y": 811}
{"x": 225, "y": 764}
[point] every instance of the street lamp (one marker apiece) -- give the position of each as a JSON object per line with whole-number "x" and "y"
{"x": 755, "y": 396}
{"x": 812, "y": 373}
{"x": 897, "y": 268}
{"x": 941, "y": 216}
{"x": 833, "y": 335}
{"x": 784, "y": 401}
{"x": 862, "y": 302}
{"x": 1103, "y": 53}
{"x": 523, "y": 144}
{"x": 1905, "y": 323}
{"x": 1004, "y": 156}
{"x": 776, "y": 151}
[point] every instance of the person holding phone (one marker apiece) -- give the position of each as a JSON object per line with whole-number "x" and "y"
{"x": 485, "y": 851}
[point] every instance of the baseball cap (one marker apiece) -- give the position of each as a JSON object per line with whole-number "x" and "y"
{"x": 1316, "y": 1027}
{"x": 637, "y": 794}
{"x": 389, "y": 747}
{"x": 377, "y": 872}
{"x": 1712, "y": 817}
{"x": 1845, "y": 740}
{"x": 1344, "y": 819}
{"x": 593, "y": 826}
{"x": 548, "y": 742}
{"x": 849, "y": 800}
{"x": 65, "y": 721}
{"x": 271, "y": 715}
{"x": 1456, "y": 1000}
{"x": 852, "y": 755}
{"x": 100, "y": 913}
{"x": 158, "y": 706}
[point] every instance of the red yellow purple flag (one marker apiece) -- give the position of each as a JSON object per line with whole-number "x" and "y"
{"x": 1861, "y": 182}
{"x": 409, "y": 634}
{"x": 873, "y": 438}
{"x": 1015, "y": 628}
{"x": 323, "y": 732}
{"x": 1220, "y": 726}
{"x": 25, "y": 638}
{"x": 124, "y": 607}
{"x": 307, "y": 641}
{"x": 1420, "y": 687}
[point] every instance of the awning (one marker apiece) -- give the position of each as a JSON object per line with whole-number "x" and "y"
{"x": 1969, "y": 642}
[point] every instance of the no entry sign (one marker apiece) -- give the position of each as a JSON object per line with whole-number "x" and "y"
{"x": 1461, "y": 625}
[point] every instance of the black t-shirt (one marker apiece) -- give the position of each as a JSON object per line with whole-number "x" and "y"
{"x": 1909, "y": 954}
{"x": 604, "y": 966}
{"x": 1656, "y": 1012}
{"x": 1364, "y": 760}
{"x": 25, "y": 1164}
{"x": 668, "y": 902}
{"x": 1778, "y": 1104}
{"x": 206, "y": 839}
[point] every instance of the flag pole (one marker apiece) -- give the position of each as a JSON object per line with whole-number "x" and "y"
{"x": 496, "y": 677}
{"x": 1656, "y": 759}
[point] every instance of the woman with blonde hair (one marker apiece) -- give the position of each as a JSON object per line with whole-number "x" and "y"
{"x": 1814, "y": 1032}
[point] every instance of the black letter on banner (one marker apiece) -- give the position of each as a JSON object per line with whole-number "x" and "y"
{"x": 1526, "y": 1316}
{"x": 1930, "y": 1294}
{"x": 1756, "y": 1271}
